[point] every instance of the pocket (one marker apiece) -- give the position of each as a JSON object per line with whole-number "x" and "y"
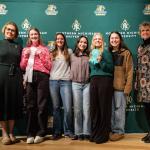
{"x": 119, "y": 60}
{"x": 119, "y": 78}
{"x": 118, "y": 98}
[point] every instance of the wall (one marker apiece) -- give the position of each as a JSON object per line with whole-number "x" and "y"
{"x": 74, "y": 18}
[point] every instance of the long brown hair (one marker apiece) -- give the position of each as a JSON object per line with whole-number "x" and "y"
{"x": 64, "y": 48}
{"x": 122, "y": 45}
{"x": 76, "y": 49}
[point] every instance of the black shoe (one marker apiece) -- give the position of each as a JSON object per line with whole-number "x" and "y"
{"x": 145, "y": 137}
{"x": 71, "y": 136}
{"x": 86, "y": 137}
{"x": 56, "y": 137}
{"x": 101, "y": 141}
{"x": 147, "y": 140}
{"x": 75, "y": 137}
{"x": 91, "y": 139}
{"x": 80, "y": 137}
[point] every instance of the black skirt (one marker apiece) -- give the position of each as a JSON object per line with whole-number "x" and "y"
{"x": 101, "y": 90}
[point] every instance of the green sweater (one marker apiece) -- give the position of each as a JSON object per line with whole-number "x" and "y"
{"x": 105, "y": 67}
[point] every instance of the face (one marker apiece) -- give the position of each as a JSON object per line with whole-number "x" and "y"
{"x": 97, "y": 41}
{"x": 114, "y": 40}
{"x": 82, "y": 45}
{"x": 145, "y": 32}
{"x": 10, "y": 32}
{"x": 34, "y": 36}
{"x": 60, "y": 41}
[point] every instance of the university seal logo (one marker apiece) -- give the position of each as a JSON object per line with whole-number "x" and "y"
{"x": 51, "y": 45}
{"x": 76, "y": 25}
{"x": 146, "y": 10}
{"x": 100, "y": 10}
{"x": 3, "y": 10}
{"x": 51, "y": 10}
{"x": 125, "y": 25}
{"x": 26, "y": 25}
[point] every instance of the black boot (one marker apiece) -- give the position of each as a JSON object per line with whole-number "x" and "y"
{"x": 145, "y": 137}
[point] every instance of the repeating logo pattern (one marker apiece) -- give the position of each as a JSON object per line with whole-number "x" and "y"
{"x": 125, "y": 25}
{"x": 26, "y": 25}
{"x": 146, "y": 10}
{"x": 3, "y": 10}
{"x": 76, "y": 26}
{"x": 51, "y": 10}
{"x": 100, "y": 10}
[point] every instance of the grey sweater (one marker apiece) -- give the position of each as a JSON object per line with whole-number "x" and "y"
{"x": 60, "y": 68}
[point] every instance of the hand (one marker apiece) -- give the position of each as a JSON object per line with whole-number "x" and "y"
{"x": 27, "y": 52}
{"x": 51, "y": 56}
{"x": 99, "y": 58}
{"x": 38, "y": 52}
{"x": 126, "y": 94}
{"x": 24, "y": 84}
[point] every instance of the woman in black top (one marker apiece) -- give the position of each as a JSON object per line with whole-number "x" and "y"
{"x": 10, "y": 82}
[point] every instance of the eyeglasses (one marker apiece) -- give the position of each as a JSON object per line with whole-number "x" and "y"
{"x": 12, "y": 30}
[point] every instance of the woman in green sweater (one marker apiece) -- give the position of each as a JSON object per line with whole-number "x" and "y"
{"x": 101, "y": 90}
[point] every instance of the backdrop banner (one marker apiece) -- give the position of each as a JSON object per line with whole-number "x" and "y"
{"x": 75, "y": 18}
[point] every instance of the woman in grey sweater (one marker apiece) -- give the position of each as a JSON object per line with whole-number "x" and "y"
{"x": 60, "y": 87}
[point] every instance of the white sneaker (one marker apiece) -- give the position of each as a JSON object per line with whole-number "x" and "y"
{"x": 30, "y": 140}
{"x": 38, "y": 139}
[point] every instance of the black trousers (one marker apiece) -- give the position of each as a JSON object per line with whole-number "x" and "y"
{"x": 37, "y": 104}
{"x": 147, "y": 113}
{"x": 101, "y": 91}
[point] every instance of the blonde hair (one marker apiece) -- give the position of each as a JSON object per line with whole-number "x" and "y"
{"x": 11, "y": 23}
{"x": 92, "y": 43}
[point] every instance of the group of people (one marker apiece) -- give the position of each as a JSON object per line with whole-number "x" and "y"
{"x": 90, "y": 83}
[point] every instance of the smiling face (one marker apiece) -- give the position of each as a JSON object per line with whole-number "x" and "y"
{"x": 82, "y": 45}
{"x": 10, "y": 32}
{"x": 97, "y": 41}
{"x": 145, "y": 32}
{"x": 60, "y": 41}
{"x": 34, "y": 36}
{"x": 114, "y": 40}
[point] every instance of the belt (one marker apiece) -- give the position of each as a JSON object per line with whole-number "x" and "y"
{"x": 12, "y": 68}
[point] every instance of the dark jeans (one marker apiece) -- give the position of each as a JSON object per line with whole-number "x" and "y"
{"x": 37, "y": 102}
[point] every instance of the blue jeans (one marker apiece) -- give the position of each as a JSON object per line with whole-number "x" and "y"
{"x": 61, "y": 93}
{"x": 118, "y": 112}
{"x": 81, "y": 100}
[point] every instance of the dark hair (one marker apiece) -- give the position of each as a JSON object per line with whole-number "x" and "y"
{"x": 64, "y": 49}
{"x": 76, "y": 49}
{"x": 121, "y": 45}
{"x": 11, "y": 23}
{"x": 29, "y": 42}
